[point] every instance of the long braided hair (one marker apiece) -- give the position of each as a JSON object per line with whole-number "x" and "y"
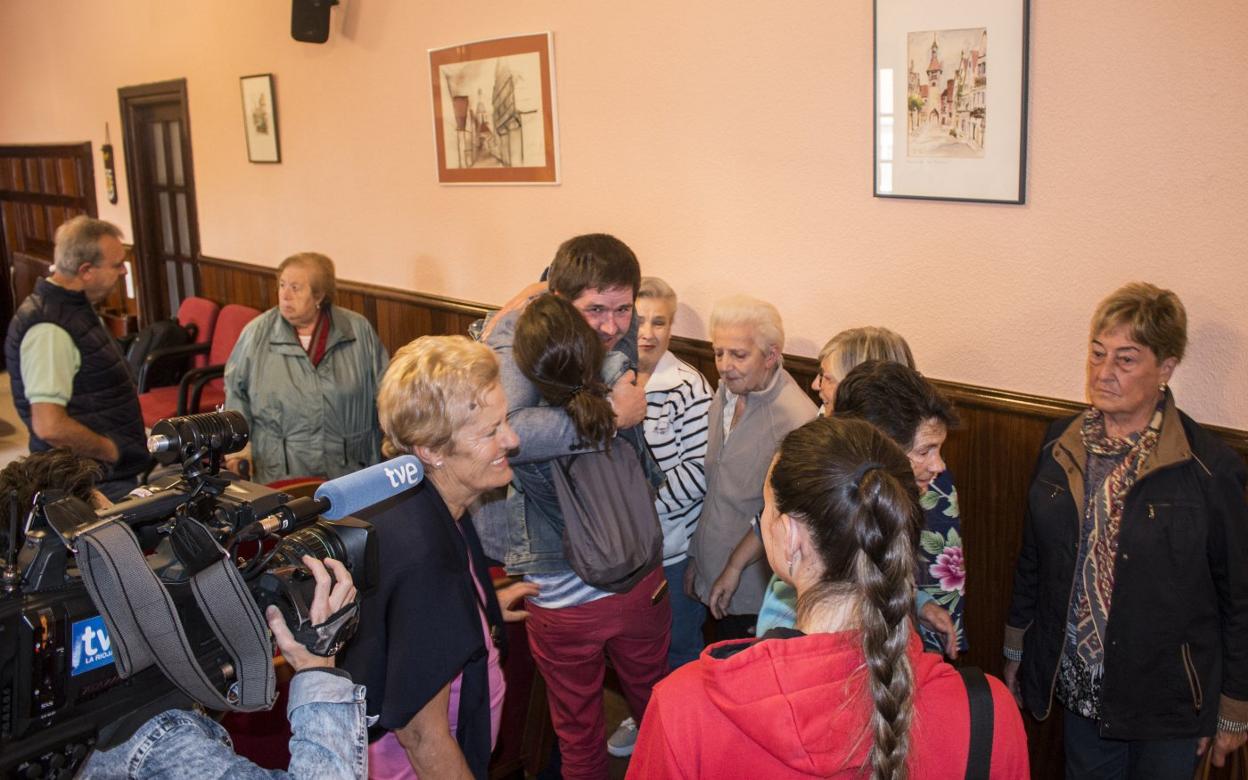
{"x": 851, "y": 486}
{"x": 557, "y": 350}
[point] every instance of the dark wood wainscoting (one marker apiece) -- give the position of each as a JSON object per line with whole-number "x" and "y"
{"x": 398, "y": 315}
{"x": 991, "y": 454}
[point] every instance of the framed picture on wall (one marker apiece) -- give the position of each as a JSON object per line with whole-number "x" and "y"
{"x": 951, "y": 99}
{"x": 260, "y": 119}
{"x": 494, "y": 111}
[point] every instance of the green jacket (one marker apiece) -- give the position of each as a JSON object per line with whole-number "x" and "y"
{"x": 308, "y": 421}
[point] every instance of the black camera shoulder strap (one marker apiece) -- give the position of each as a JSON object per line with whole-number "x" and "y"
{"x": 143, "y": 620}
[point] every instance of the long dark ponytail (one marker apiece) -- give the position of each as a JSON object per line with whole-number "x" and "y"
{"x": 851, "y": 486}
{"x": 562, "y": 356}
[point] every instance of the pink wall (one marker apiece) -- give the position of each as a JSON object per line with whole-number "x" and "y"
{"x": 729, "y": 143}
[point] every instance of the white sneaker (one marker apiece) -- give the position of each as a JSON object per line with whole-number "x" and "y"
{"x": 622, "y": 741}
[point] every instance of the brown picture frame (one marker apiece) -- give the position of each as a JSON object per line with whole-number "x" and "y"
{"x": 494, "y": 111}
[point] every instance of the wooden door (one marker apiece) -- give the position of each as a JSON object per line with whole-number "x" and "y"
{"x": 156, "y": 129}
{"x": 41, "y": 187}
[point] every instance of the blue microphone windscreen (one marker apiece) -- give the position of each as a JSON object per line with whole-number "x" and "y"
{"x": 348, "y": 495}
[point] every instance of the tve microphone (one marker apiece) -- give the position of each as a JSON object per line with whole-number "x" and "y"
{"x": 348, "y": 495}
{"x": 340, "y": 497}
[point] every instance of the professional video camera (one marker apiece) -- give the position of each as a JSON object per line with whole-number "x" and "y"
{"x": 110, "y": 616}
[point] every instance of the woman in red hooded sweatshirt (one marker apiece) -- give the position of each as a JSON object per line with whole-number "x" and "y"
{"x": 850, "y": 688}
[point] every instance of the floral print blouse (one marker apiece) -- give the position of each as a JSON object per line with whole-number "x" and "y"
{"x": 942, "y": 573}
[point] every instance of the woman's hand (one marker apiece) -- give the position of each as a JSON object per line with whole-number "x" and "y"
{"x": 1224, "y": 744}
{"x": 517, "y": 302}
{"x": 722, "y": 591}
{"x": 327, "y": 598}
{"x": 510, "y": 594}
{"x": 1010, "y": 674}
{"x": 936, "y": 618}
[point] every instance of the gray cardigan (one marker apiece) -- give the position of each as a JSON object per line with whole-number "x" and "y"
{"x": 735, "y": 470}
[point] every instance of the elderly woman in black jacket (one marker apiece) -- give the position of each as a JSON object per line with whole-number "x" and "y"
{"x": 1131, "y": 593}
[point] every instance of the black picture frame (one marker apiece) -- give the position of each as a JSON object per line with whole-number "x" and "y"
{"x": 941, "y": 138}
{"x": 260, "y": 118}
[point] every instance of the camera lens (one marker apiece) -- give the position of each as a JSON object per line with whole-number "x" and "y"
{"x": 314, "y": 540}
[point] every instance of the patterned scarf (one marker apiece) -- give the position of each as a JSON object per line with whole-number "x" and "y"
{"x": 1103, "y": 513}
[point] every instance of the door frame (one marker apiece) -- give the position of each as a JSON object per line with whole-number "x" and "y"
{"x": 146, "y": 264}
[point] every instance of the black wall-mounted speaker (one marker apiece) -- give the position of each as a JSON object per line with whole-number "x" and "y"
{"x": 309, "y": 20}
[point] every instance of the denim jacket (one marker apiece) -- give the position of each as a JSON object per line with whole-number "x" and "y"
{"x": 329, "y": 739}
{"x": 533, "y": 532}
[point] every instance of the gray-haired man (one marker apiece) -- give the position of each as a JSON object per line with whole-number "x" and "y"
{"x": 70, "y": 381}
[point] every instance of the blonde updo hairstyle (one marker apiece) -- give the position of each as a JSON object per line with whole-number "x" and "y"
{"x": 849, "y": 348}
{"x": 432, "y": 388}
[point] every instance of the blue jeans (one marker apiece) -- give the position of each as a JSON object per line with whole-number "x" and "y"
{"x": 1088, "y": 755}
{"x": 688, "y": 615}
{"x": 329, "y": 739}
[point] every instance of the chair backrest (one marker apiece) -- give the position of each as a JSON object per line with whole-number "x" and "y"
{"x": 202, "y": 313}
{"x": 230, "y": 324}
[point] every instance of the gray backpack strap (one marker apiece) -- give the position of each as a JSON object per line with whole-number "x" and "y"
{"x": 144, "y": 626}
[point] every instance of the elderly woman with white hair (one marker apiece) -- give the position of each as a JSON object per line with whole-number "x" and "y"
{"x": 756, "y": 404}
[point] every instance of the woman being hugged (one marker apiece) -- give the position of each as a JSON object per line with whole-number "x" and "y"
{"x": 573, "y": 626}
{"x": 850, "y": 688}
{"x": 1131, "y": 591}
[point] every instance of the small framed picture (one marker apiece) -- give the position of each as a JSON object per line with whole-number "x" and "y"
{"x": 494, "y": 111}
{"x": 951, "y": 99}
{"x": 260, "y": 119}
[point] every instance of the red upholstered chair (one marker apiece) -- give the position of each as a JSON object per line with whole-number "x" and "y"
{"x": 202, "y": 313}
{"x": 197, "y": 315}
{"x": 201, "y": 388}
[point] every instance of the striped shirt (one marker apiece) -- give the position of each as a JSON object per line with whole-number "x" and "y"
{"x": 677, "y": 402}
{"x": 564, "y": 589}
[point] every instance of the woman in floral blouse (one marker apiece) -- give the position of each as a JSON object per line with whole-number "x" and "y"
{"x": 899, "y": 401}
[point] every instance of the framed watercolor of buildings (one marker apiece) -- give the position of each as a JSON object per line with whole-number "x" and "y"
{"x": 260, "y": 119}
{"x": 950, "y": 119}
{"x": 494, "y": 111}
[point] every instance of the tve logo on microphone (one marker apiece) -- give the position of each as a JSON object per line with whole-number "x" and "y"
{"x": 404, "y": 474}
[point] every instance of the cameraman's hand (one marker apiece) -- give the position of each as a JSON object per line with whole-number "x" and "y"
{"x": 240, "y": 462}
{"x": 328, "y": 598}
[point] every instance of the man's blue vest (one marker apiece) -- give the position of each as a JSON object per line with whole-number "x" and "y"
{"x": 105, "y": 398}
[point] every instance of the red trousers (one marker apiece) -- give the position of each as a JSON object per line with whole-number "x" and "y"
{"x": 568, "y": 646}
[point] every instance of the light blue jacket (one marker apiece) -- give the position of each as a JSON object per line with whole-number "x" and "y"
{"x": 306, "y": 420}
{"x": 329, "y": 739}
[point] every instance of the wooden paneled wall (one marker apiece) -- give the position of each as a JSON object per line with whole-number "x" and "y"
{"x": 991, "y": 454}
{"x": 40, "y": 187}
